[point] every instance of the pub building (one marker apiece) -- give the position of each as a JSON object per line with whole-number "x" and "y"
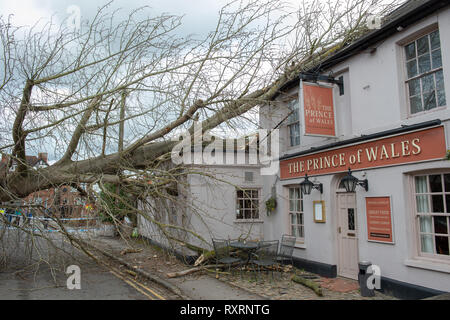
{"x": 364, "y": 167}
{"x": 363, "y": 175}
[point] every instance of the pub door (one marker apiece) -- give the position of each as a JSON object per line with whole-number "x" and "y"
{"x": 347, "y": 235}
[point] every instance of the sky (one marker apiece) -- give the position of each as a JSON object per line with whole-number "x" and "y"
{"x": 199, "y": 15}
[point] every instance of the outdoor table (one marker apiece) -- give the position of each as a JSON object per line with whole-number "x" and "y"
{"x": 248, "y": 247}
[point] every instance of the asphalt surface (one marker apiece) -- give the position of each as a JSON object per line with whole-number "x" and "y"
{"x": 38, "y": 272}
{"x": 45, "y": 284}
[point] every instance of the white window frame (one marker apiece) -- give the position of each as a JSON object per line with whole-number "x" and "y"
{"x": 419, "y": 76}
{"x": 296, "y": 210}
{"x": 417, "y": 215}
{"x": 289, "y": 122}
{"x": 245, "y": 190}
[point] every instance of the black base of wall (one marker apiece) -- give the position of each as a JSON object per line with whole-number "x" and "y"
{"x": 322, "y": 269}
{"x": 391, "y": 287}
{"x": 404, "y": 290}
{"x": 188, "y": 258}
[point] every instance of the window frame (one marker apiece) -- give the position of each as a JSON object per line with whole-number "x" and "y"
{"x": 430, "y": 213}
{"x": 292, "y": 122}
{"x": 252, "y": 200}
{"x": 299, "y": 239}
{"x": 425, "y": 33}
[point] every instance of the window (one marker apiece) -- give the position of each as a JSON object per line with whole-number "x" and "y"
{"x": 296, "y": 213}
{"x": 172, "y": 213}
{"x": 425, "y": 78}
{"x": 293, "y": 123}
{"x": 248, "y": 176}
{"x": 247, "y": 204}
{"x": 432, "y": 195}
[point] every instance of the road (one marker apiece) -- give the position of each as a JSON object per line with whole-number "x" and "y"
{"x": 97, "y": 283}
{"x": 25, "y": 280}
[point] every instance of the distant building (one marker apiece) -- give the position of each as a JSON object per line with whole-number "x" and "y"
{"x": 35, "y": 162}
{"x": 64, "y": 201}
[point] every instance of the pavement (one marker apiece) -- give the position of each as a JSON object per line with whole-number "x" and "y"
{"x": 157, "y": 263}
{"x": 45, "y": 280}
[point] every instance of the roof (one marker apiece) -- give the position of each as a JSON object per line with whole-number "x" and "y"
{"x": 404, "y": 16}
{"x": 31, "y": 161}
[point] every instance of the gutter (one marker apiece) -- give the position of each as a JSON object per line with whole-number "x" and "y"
{"x": 386, "y": 31}
{"x": 362, "y": 138}
{"x": 373, "y": 37}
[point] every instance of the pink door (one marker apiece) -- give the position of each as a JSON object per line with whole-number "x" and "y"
{"x": 347, "y": 236}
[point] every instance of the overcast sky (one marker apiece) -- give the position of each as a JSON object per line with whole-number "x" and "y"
{"x": 199, "y": 15}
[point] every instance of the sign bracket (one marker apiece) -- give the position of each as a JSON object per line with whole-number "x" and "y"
{"x": 318, "y": 77}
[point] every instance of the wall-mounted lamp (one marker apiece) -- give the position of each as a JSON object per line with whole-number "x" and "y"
{"x": 350, "y": 182}
{"x": 307, "y": 186}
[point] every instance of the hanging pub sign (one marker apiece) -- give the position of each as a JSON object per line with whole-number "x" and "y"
{"x": 316, "y": 102}
{"x": 417, "y": 146}
{"x": 379, "y": 219}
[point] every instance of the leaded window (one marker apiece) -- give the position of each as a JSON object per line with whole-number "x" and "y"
{"x": 247, "y": 204}
{"x": 425, "y": 77}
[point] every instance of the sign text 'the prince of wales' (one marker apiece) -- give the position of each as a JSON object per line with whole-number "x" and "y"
{"x": 318, "y": 110}
{"x": 416, "y": 146}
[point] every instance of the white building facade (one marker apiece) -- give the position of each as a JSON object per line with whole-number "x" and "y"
{"x": 392, "y": 127}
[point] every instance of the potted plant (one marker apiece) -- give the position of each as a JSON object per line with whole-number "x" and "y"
{"x": 271, "y": 205}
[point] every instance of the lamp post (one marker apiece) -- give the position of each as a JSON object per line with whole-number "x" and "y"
{"x": 307, "y": 186}
{"x": 350, "y": 182}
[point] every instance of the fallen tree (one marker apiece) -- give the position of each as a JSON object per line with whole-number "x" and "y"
{"x": 72, "y": 89}
{"x": 109, "y": 98}
{"x": 191, "y": 270}
{"x": 309, "y": 284}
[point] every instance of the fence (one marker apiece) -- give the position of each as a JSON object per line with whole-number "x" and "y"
{"x": 27, "y": 221}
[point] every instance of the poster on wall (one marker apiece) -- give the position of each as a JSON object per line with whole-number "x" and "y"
{"x": 379, "y": 219}
{"x": 318, "y": 110}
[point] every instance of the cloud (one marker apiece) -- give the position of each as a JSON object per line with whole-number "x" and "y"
{"x": 199, "y": 15}
{"x": 26, "y": 12}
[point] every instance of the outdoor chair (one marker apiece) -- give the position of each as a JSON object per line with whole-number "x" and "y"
{"x": 266, "y": 255}
{"x": 286, "y": 249}
{"x": 223, "y": 255}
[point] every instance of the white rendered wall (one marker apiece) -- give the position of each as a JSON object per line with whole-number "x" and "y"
{"x": 375, "y": 100}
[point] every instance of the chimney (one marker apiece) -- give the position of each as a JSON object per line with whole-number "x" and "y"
{"x": 43, "y": 156}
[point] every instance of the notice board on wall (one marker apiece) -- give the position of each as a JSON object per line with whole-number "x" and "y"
{"x": 379, "y": 219}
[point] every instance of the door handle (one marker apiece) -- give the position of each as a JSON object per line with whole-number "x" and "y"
{"x": 339, "y": 229}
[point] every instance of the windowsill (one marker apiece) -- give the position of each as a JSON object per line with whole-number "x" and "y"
{"x": 429, "y": 264}
{"x": 426, "y": 112}
{"x": 248, "y": 221}
{"x": 300, "y": 245}
{"x": 290, "y": 148}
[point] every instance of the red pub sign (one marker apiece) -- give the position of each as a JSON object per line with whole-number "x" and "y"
{"x": 318, "y": 110}
{"x": 428, "y": 144}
